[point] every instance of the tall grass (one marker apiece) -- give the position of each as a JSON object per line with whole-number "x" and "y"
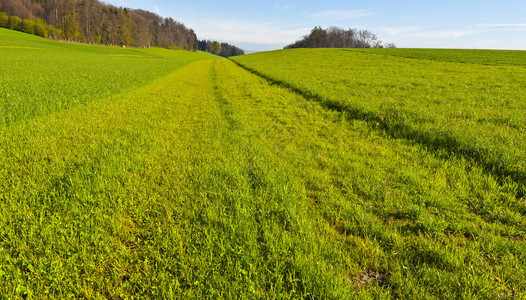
{"x": 40, "y": 76}
{"x": 211, "y": 182}
{"x": 467, "y": 109}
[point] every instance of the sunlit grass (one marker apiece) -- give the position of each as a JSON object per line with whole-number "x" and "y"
{"x": 40, "y": 76}
{"x": 483, "y": 57}
{"x": 470, "y": 109}
{"x": 206, "y": 181}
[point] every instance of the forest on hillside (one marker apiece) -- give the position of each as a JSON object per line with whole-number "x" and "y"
{"x": 95, "y": 22}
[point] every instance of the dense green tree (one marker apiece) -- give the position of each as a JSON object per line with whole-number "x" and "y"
{"x": 216, "y": 48}
{"x": 4, "y": 20}
{"x": 318, "y": 37}
{"x": 27, "y": 26}
{"x": 14, "y": 22}
{"x": 70, "y": 24}
{"x": 53, "y": 32}
{"x": 126, "y": 27}
{"x": 41, "y": 28}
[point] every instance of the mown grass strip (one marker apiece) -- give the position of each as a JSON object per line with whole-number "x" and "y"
{"x": 151, "y": 195}
{"x": 90, "y": 194}
{"x": 49, "y": 76}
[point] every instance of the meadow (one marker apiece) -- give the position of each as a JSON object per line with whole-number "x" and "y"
{"x": 473, "y": 110}
{"x": 481, "y": 57}
{"x": 40, "y": 76}
{"x": 201, "y": 179}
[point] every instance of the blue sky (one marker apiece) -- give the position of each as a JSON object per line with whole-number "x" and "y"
{"x": 267, "y": 25}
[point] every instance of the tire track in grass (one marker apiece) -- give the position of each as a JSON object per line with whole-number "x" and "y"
{"x": 112, "y": 193}
{"x": 154, "y": 194}
{"x": 290, "y": 212}
{"x": 445, "y": 145}
{"x": 273, "y": 207}
{"x": 185, "y": 144}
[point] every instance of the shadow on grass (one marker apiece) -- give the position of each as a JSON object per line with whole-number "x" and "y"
{"x": 443, "y": 145}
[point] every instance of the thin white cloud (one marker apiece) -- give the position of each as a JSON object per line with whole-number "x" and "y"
{"x": 249, "y": 32}
{"x": 284, "y": 7}
{"x": 486, "y": 43}
{"x": 398, "y": 30}
{"x": 443, "y": 34}
{"x": 511, "y": 27}
{"x": 341, "y": 14}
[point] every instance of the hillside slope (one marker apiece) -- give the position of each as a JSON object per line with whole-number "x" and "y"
{"x": 41, "y": 76}
{"x": 469, "y": 109}
{"x": 200, "y": 180}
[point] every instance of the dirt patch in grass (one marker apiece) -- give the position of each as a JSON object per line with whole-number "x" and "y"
{"x": 369, "y": 277}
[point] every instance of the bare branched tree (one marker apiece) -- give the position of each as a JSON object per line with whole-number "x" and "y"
{"x": 335, "y": 37}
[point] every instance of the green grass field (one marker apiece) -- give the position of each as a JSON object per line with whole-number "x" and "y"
{"x": 128, "y": 173}
{"x": 467, "y": 109}
{"x": 482, "y": 57}
{"x": 40, "y": 76}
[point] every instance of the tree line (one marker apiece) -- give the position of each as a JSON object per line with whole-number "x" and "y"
{"x": 221, "y": 49}
{"x": 335, "y": 37}
{"x": 95, "y": 22}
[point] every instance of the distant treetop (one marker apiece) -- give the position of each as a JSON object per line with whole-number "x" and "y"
{"x": 335, "y": 37}
{"x": 223, "y": 49}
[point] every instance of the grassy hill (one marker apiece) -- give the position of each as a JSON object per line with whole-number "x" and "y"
{"x": 483, "y": 57}
{"x": 41, "y": 76}
{"x": 168, "y": 174}
{"x": 468, "y": 109}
